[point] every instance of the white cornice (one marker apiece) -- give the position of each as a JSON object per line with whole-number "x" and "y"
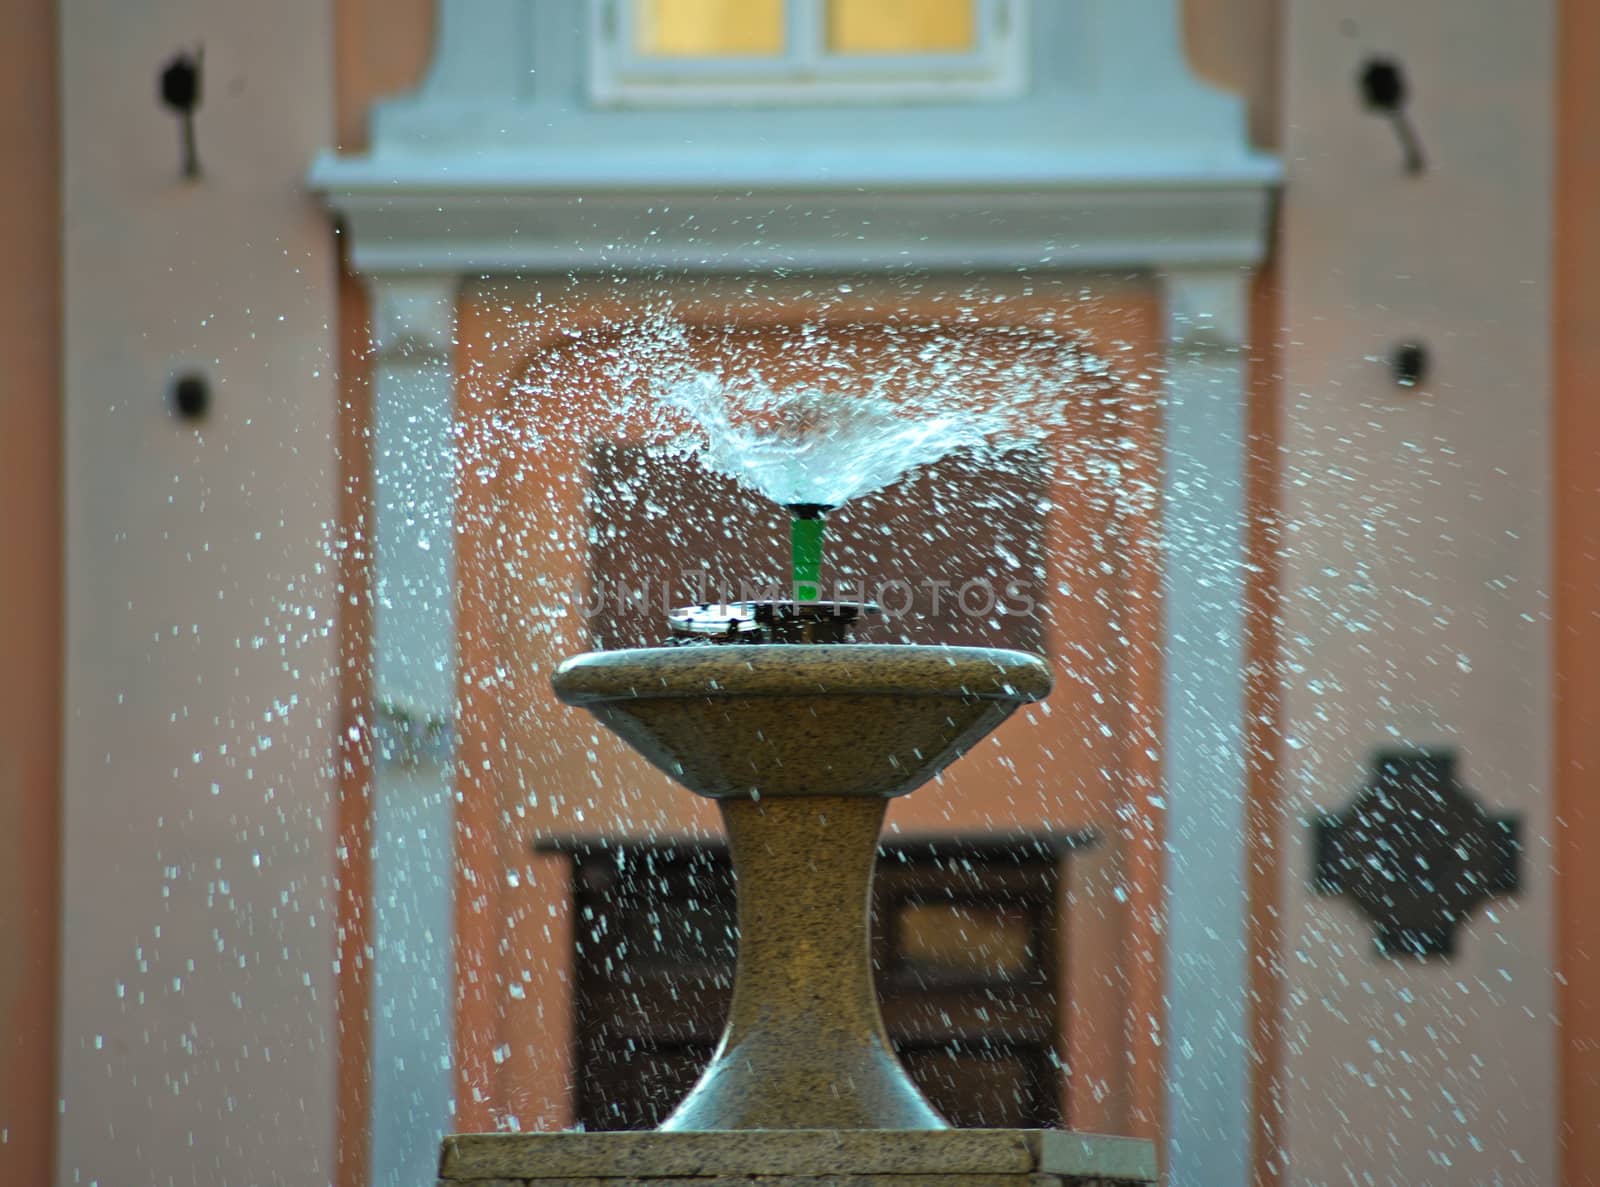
{"x": 756, "y": 166}
{"x": 413, "y": 215}
{"x": 1112, "y": 156}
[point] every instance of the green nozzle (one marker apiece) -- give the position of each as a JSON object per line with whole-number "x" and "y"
{"x": 805, "y": 551}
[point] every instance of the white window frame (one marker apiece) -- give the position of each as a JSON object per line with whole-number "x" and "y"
{"x": 620, "y": 76}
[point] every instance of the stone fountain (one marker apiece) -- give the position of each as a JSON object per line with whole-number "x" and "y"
{"x": 801, "y": 737}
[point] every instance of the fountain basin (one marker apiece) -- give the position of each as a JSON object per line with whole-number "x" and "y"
{"x": 778, "y": 720}
{"x": 802, "y": 745}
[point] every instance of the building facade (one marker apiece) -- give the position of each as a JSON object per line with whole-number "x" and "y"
{"x": 308, "y": 860}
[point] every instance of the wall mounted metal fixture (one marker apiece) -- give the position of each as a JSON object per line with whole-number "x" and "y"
{"x": 1408, "y": 363}
{"x": 180, "y": 93}
{"x": 1384, "y": 91}
{"x": 191, "y": 397}
{"x": 1416, "y": 852}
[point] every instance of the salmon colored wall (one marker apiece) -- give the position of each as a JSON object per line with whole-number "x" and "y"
{"x": 1576, "y": 342}
{"x": 234, "y": 275}
{"x": 30, "y": 592}
{"x": 353, "y": 813}
{"x": 1235, "y": 44}
{"x": 1372, "y": 604}
{"x": 381, "y": 49}
{"x": 504, "y": 330}
{"x": 1262, "y": 676}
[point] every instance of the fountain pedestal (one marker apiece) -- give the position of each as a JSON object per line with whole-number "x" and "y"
{"x": 805, "y": 1046}
{"x": 802, "y": 745}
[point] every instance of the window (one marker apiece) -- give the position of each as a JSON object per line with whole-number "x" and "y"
{"x": 710, "y": 51}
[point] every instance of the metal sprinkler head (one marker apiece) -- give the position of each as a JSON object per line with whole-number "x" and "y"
{"x": 805, "y": 550}
{"x": 778, "y": 621}
{"x": 804, "y": 617}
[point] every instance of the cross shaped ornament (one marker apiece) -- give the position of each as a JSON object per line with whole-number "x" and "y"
{"x": 1416, "y": 852}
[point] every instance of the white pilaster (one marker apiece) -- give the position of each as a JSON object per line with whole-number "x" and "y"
{"x": 1207, "y": 1035}
{"x": 414, "y": 699}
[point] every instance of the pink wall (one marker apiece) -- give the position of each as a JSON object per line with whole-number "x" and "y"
{"x": 30, "y": 593}
{"x": 197, "y": 893}
{"x": 381, "y": 49}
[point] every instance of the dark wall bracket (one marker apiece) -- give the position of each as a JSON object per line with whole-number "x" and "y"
{"x": 180, "y": 91}
{"x": 1384, "y": 91}
{"x": 191, "y": 397}
{"x": 1416, "y": 853}
{"x": 1409, "y": 363}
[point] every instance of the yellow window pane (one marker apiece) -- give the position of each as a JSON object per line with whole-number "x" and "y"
{"x": 902, "y": 26}
{"x": 709, "y": 28}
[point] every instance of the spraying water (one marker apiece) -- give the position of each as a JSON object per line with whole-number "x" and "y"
{"x": 817, "y": 445}
{"x": 811, "y": 446}
{"x": 850, "y": 426}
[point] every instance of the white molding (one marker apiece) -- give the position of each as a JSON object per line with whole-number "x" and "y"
{"x": 1206, "y": 310}
{"x": 1204, "y": 762}
{"x": 413, "y": 720}
{"x": 920, "y": 214}
{"x": 413, "y": 320}
{"x": 1113, "y": 156}
{"x": 479, "y": 51}
{"x": 414, "y": 482}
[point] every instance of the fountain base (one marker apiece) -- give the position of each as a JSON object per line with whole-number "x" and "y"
{"x": 802, "y": 746}
{"x": 799, "y": 1158}
{"x": 805, "y": 1046}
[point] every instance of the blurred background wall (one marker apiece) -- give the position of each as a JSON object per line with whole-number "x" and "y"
{"x": 170, "y": 604}
{"x": 122, "y": 526}
{"x": 31, "y": 590}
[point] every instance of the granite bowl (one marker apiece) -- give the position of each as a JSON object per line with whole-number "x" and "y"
{"x": 854, "y": 719}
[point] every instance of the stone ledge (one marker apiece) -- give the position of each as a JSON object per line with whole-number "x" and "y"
{"x": 1018, "y": 1180}
{"x": 816, "y": 1158}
